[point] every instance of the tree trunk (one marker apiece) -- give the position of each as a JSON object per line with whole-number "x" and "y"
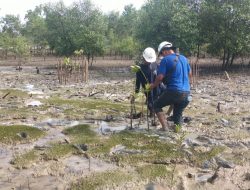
{"x": 232, "y": 59}
{"x": 198, "y": 50}
{"x": 92, "y": 58}
{"x": 227, "y": 60}
{"x": 88, "y": 58}
{"x": 224, "y": 59}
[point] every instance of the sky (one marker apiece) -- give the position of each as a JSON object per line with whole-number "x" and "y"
{"x": 20, "y": 7}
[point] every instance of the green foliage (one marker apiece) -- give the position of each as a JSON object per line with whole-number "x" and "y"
{"x": 78, "y": 52}
{"x": 225, "y": 27}
{"x": 220, "y": 26}
{"x": 11, "y": 25}
{"x": 11, "y": 39}
{"x": 168, "y": 20}
{"x": 128, "y": 46}
{"x": 20, "y": 46}
{"x": 35, "y": 28}
{"x": 80, "y": 26}
{"x": 154, "y": 22}
{"x": 66, "y": 60}
{"x": 120, "y": 38}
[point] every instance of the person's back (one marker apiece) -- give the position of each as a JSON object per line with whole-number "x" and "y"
{"x": 177, "y": 72}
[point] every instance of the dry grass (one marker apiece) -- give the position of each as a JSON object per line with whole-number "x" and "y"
{"x": 52, "y": 61}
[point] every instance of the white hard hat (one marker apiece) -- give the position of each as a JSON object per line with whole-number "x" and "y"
{"x": 164, "y": 44}
{"x": 149, "y": 55}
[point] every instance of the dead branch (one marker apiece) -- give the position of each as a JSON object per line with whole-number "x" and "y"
{"x": 6, "y": 95}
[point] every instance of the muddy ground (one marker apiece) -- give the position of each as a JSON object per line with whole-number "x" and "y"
{"x": 83, "y": 138}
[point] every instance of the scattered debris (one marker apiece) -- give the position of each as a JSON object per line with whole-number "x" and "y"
{"x": 6, "y": 95}
{"x": 224, "y": 163}
{"x": 247, "y": 176}
{"x": 227, "y": 75}
{"x": 212, "y": 179}
{"x": 202, "y": 178}
{"x": 34, "y": 103}
{"x": 23, "y": 135}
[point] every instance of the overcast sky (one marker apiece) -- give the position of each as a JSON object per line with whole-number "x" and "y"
{"x": 19, "y": 7}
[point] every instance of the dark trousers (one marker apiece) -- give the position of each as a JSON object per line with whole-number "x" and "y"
{"x": 176, "y": 98}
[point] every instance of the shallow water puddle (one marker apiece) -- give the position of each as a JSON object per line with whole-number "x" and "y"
{"x": 105, "y": 128}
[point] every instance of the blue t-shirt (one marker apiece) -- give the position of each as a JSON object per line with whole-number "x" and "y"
{"x": 176, "y": 76}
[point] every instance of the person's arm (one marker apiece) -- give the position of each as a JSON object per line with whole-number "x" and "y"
{"x": 161, "y": 74}
{"x": 157, "y": 81}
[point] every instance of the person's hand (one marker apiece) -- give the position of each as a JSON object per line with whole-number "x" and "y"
{"x": 151, "y": 86}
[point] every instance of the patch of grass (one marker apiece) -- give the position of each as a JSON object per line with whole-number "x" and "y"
{"x": 199, "y": 157}
{"x": 13, "y": 93}
{"x": 238, "y": 157}
{"x": 151, "y": 148}
{"x": 147, "y": 148}
{"x": 102, "y": 180}
{"x": 152, "y": 171}
{"x": 25, "y": 160}
{"x": 23, "y": 112}
{"x": 18, "y": 113}
{"x": 239, "y": 135}
{"x": 58, "y": 151}
{"x": 88, "y": 104}
{"x": 9, "y": 134}
{"x": 81, "y": 134}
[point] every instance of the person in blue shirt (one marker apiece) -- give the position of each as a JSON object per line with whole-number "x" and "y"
{"x": 175, "y": 71}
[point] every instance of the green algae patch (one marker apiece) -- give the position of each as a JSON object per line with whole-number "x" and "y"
{"x": 20, "y": 113}
{"x": 57, "y": 151}
{"x": 25, "y": 160}
{"x": 89, "y": 104}
{"x": 13, "y": 93}
{"x": 19, "y": 134}
{"x": 139, "y": 148}
{"x": 81, "y": 134}
{"x": 102, "y": 180}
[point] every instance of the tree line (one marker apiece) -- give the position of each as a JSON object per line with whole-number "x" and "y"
{"x": 215, "y": 27}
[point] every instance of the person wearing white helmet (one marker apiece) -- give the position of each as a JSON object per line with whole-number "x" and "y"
{"x": 147, "y": 75}
{"x": 175, "y": 71}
